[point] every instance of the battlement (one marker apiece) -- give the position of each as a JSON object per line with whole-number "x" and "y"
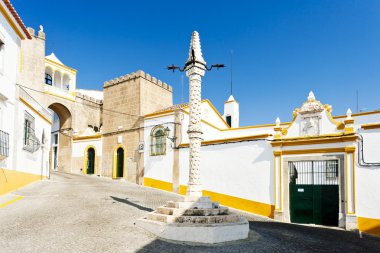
{"x": 135, "y": 75}
{"x": 88, "y": 98}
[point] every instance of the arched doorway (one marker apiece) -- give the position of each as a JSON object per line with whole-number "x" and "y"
{"x": 61, "y": 133}
{"x": 119, "y": 163}
{"x": 90, "y": 161}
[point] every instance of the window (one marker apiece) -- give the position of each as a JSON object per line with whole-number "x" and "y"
{"x": 2, "y": 55}
{"x": 228, "y": 119}
{"x": 48, "y": 79}
{"x": 158, "y": 141}
{"x": 31, "y": 143}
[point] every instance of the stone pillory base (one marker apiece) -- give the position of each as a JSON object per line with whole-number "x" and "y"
{"x": 196, "y": 219}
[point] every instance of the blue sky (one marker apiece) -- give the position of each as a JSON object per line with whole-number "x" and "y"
{"x": 282, "y": 49}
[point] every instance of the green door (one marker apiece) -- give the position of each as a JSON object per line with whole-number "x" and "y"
{"x": 120, "y": 163}
{"x": 314, "y": 192}
{"x": 90, "y": 161}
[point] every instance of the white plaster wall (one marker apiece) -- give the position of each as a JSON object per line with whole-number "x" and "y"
{"x": 159, "y": 167}
{"x": 78, "y": 147}
{"x": 37, "y": 162}
{"x": 243, "y": 170}
{"x": 368, "y": 178}
{"x": 8, "y": 79}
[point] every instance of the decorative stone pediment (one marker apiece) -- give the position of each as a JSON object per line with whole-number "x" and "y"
{"x": 312, "y": 119}
{"x": 311, "y": 105}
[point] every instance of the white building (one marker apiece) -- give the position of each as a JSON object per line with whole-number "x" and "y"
{"x": 318, "y": 168}
{"x": 24, "y": 123}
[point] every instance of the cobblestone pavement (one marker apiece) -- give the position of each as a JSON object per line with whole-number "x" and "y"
{"x": 73, "y": 213}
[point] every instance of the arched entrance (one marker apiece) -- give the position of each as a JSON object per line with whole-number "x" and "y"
{"x": 119, "y": 162}
{"x": 61, "y": 133}
{"x": 90, "y": 161}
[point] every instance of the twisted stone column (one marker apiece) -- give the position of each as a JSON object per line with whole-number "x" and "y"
{"x": 195, "y": 69}
{"x": 195, "y": 131}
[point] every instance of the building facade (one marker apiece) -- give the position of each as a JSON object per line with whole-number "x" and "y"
{"x": 318, "y": 168}
{"x": 25, "y": 124}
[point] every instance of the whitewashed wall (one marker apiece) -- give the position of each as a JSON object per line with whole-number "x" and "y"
{"x": 368, "y": 178}
{"x": 38, "y": 161}
{"x": 158, "y": 167}
{"x": 243, "y": 170}
{"x": 78, "y": 147}
{"x": 8, "y": 79}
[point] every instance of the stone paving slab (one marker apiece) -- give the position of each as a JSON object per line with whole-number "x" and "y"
{"x": 75, "y": 213}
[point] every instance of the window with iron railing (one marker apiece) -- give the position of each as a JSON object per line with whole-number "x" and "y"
{"x": 158, "y": 141}
{"x": 31, "y": 143}
{"x": 4, "y": 144}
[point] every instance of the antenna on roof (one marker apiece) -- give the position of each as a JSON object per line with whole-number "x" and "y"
{"x": 231, "y": 72}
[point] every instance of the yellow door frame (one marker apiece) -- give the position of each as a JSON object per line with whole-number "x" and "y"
{"x": 85, "y": 160}
{"x": 114, "y": 167}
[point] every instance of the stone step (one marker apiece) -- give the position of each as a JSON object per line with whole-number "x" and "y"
{"x": 192, "y": 212}
{"x": 189, "y": 205}
{"x": 230, "y": 218}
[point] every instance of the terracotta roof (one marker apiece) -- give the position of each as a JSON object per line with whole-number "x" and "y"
{"x": 173, "y": 107}
{"x": 17, "y": 18}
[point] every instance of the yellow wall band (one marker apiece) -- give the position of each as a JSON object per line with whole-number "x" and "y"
{"x": 369, "y": 225}
{"x": 231, "y": 201}
{"x": 158, "y": 184}
{"x": 11, "y": 180}
{"x": 36, "y": 111}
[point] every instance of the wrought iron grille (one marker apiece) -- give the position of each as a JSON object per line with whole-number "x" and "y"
{"x": 4, "y": 144}
{"x": 325, "y": 172}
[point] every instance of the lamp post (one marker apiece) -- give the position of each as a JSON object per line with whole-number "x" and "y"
{"x": 195, "y": 68}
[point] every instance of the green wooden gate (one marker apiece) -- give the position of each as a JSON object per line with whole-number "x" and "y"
{"x": 90, "y": 161}
{"x": 120, "y": 162}
{"x": 314, "y": 192}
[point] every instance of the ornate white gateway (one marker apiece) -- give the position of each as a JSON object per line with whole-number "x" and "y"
{"x": 196, "y": 219}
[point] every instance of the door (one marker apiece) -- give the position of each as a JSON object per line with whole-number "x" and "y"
{"x": 314, "y": 192}
{"x": 120, "y": 162}
{"x": 90, "y": 161}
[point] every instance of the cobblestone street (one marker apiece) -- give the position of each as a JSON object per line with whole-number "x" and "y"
{"x": 73, "y": 213}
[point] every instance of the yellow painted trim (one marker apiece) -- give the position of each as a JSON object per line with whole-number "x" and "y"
{"x": 251, "y": 137}
{"x": 158, "y": 184}
{"x": 371, "y": 126}
{"x": 114, "y": 165}
{"x": 89, "y": 137}
{"x": 13, "y": 25}
{"x": 358, "y": 114}
{"x": 236, "y": 202}
{"x": 275, "y": 181}
{"x": 281, "y": 195}
{"x": 369, "y": 225}
{"x": 339, "y": 125}
{"x": 313, "y": 151}
{"x": 11, "y": 180}
{"x": 217, "y": 113}
{"x": 85, "y": 159}
{"x": 227, "y": 102}
{"x": 158, "y": 114}
{"x": 255, "y": 126}
{"x": 74, "y": 71}
{"x": 313, "y": 140}
{"x": 35, "y": 110}
{"x": 11, "y": 201}
{"x": 56, "y": 95}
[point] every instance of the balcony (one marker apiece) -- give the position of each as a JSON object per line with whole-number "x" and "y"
{"x": 4, "y": 145}
{"x": 59, "y": 92}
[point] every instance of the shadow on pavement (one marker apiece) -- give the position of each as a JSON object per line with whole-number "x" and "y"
{"x": 126, "y": 201}
{"x": 279, "y": 237}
